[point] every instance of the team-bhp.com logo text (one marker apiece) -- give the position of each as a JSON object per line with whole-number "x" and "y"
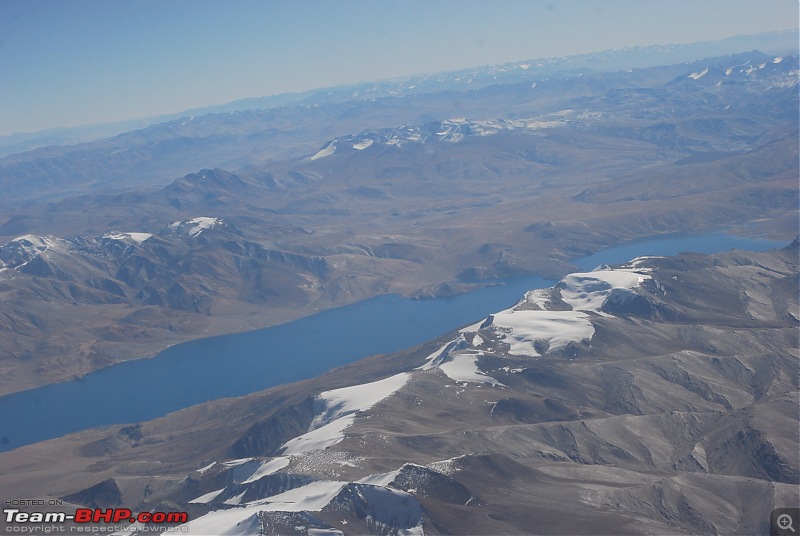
{"x": 15, "y": 518}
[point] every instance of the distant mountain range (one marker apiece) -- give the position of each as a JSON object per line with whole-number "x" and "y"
{"x": 458, "y": 189}
{"x": 756, "y": 72}
{"x": 461, "y": 80}
{"x": 158, "y": 154}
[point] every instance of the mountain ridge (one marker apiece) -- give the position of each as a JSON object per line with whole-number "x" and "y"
{"x": 663, "y": 417}
{"x": 575, "y": 167}
{"x": 778, "y": 42}
{"x": 158, "y": 153}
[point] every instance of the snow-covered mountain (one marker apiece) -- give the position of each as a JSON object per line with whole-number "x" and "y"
{"x": 233, "y": 139}
{"x": 627, "y": 399}
{"x": 607, "y": 60}
{"x": 724, "y": 82}
{"x": 547, "y": 322}
{"x": 447, "y": 131}
{"x": 755, "y": 71}
{"x": 152, "y": 285}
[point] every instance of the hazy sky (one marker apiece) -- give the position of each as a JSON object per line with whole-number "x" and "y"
{"x": 74, "y": 62}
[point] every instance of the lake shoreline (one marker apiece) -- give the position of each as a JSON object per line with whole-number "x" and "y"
{"x": 191, "y": 363}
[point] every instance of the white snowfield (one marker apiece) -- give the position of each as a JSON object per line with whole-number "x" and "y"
{"x": 347, "y": 400}
{"x": 238, "y": 462}
{"x": 589, "y": 291}
{"x": 202, "y": 223}
{"x": 208, "y": 497}
{"x": 36, "y": 245}
{"x": 23, "y": 249}
{"x": 698, "y": 75}
{"x": 137, "y": 238}
{"x": 312, "y": 497}
{"x": 325, "y": 151}
{"x": 585, "y": 293}
{"x": 206, "y": 468}
{"x": 521, "y": 328}
{"x": 442, "y": 355}
{"x": 380, "y": 479}
{"x": 336, "y": 411}
{"x": 538, "y": 330}
{"x": 244, "y": 520}
{"x": 267, "y": 468}
{"x": 319, "y": 438}
{"x": 362, "y": 145}
{"x": 637, "y": 263}
{"x": 195, "y": 226}
{"x": 458, "y": 361}
{"x": 463, "y": 367}
{"x": 38, "y": 242}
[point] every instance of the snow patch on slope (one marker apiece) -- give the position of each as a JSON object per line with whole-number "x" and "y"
{"x": 38, "y": 244}
{"x": 521, "y": 329}
{"x": 451, "y": 130}
{"x": 310, "y": 498}
{"x": 23, "y": 249}
{"x": 698, "y": 75}
{"x": 137, "y": 238}
{"x": 202, "y": 223}
{"x": 208, "y": 497}
{"x": 639, "y": 261}
{"x": 348, "y": 400}
{"x": 589, "y": 291}
{"x": 389, "y": 506}
{"x": 458, "y": 361}
{"x": 206, "y": 468}
{"x": 237, "y": 462}
{"x": 235, "y": 501}
{"x": 336, "y": 411}
{"x": 463, "y": 367}
{"x": 195, "y": 226}
{"x": 539, "y": 297}
{"x": 530, "y": 328}
{"x": 319, "y": 438}
{"x": 267, "y": 468}
{"x": 442, "y": 355}
{"x": 325, "y": 151}
{"x": 32, "y": 241}
{"x": 380, "y": 479}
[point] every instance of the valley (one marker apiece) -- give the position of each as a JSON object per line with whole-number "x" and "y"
{"x": 281, "y": 213}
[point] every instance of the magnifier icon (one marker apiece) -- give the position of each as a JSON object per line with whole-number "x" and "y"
{"x": 785, "y": 522}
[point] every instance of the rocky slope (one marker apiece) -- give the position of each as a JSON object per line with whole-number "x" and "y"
{"x": 123, "y": 294}
{"x": 658, "y": 396}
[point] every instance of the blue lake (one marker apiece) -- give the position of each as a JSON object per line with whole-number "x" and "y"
{"x": 243, "y": 363}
